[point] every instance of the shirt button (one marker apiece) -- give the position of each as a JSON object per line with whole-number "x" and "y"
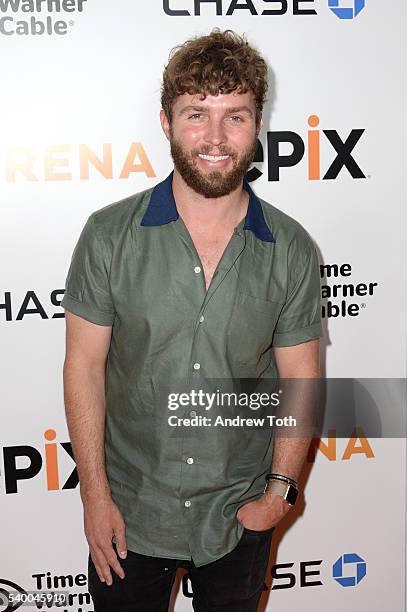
{"x": 201, "y": 319}
{"x": 197, "y": 366}
{"x": 192, "y": 413}
{"x": 187, "y": 503}
{"x": 197, "y": 269}
{"x": 190, "y": 460}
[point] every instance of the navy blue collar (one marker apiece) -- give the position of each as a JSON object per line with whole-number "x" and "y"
{"x": 162, "y": 209}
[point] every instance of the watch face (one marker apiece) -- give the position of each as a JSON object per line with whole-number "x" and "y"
{"x": 292, "y": 494}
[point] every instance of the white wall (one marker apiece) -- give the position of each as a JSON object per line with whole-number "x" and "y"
{"x": 99, "y": 83}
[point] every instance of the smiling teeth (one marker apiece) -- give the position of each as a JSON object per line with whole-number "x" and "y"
{"x": 213, "y": 157}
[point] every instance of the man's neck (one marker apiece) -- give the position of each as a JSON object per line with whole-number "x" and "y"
{"x": 197, "y": 211}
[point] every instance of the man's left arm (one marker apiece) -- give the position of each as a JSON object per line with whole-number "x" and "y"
{"x": 296, "y": 350}
{"x": 300, "y": 361}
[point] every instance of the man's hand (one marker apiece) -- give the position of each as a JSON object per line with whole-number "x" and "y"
{"x": 102, "y": 521}
{"x": 263, "y": 513}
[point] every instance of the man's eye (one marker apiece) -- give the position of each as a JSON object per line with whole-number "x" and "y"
{"x": 195, "y": 116}
{"x": 236, "y": 119}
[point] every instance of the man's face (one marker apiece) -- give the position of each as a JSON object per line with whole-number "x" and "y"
{"x": 213, "y": 141}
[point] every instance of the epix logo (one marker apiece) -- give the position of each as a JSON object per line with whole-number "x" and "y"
{"x": 346, "y": 12}
{"x": 311, "y": 149}
{"x": 359, "y": 567}
{"x": 14, "y": 474}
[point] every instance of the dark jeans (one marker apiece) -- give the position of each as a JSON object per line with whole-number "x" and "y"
{"x": 233, "y": 583}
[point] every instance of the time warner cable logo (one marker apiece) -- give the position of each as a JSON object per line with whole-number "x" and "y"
{"x": 37, "y": 24}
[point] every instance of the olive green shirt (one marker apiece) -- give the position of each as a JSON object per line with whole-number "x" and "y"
{"x": 135, "y": 268}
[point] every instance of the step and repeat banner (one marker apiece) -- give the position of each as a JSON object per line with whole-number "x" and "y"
{"x": 80, "y": 102}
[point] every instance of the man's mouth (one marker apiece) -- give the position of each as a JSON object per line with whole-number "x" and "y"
{"x": 213, "y": 158}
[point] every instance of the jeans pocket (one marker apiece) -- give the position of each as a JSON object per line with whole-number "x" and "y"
{"x": 262, "y": 532}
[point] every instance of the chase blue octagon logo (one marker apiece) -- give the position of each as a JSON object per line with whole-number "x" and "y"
{"x": 360, "y": 567}
{"x": 346, "y": 12}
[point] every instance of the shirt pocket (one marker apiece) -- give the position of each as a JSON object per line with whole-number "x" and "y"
{"x": 251, "y": 327}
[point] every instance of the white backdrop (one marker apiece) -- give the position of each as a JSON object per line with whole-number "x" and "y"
{"x": 94, "y": 92}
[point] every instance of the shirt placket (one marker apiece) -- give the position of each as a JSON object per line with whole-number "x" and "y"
{"x": 192, "y": 449}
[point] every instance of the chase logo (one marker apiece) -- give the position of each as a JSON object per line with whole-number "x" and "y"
{"x": 359, "y": 567}
{"x": 346, "y": 12}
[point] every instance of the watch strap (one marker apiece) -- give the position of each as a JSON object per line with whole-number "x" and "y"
{"x": 286, "y": 490}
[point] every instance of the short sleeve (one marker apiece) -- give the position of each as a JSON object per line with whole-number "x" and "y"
{"x": 87, "y": 288}
{"x": 300, "y": 317}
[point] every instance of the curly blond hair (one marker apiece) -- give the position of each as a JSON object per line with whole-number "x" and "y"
{"x": 221, "y": 62}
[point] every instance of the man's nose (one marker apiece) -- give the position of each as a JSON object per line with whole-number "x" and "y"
{"x": 215, "y": 132}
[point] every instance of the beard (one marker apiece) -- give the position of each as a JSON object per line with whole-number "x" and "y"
{"x": 213, "y": 184}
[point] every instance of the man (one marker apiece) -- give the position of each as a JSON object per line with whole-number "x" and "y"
{"x": 194, "y": 279}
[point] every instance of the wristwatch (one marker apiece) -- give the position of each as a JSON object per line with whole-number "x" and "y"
{"x": 285, "y": 489}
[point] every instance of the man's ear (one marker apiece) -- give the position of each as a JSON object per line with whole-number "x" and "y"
{"x": 259, "y": 125}
{"x": 165, "y": 124}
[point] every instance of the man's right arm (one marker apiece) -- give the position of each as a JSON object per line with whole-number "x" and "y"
{"x": 87, "y": 346}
